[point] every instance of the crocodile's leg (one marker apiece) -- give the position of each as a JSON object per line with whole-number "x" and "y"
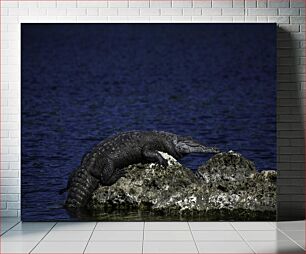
{"x": 154, "y": 156}
{"x": 119, "y": 172}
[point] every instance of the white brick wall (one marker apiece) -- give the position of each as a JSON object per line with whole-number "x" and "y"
{"x": 289, "y": 14}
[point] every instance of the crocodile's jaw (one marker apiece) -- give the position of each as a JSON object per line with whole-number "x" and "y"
{"x": 191, "y": 146}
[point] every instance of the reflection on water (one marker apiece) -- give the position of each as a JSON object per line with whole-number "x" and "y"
{"x": 215, "y": 83}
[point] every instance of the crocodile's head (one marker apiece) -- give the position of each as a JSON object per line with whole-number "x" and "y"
{"x": 186, "y": 145}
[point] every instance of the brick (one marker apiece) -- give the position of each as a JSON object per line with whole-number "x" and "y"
{"x": 171, "y": 12}
{"x": 139, "y": 4}
{"x": 289, "y": 11}
{"x": 139, "y": 19}
{"x": 28, "y": 4}
{"x": 66, "y": 4}
{"x": 5, "y": 165}
{"x": 262, "y": 3}
{"x": 291, "y": 182}
{"x": 9, "y": 141}
{"x": 9, "y": 4}
{"x": 13, "y": 205}
{"x": 8, "y": 19}
{"x": 222, "y": 19}
{"x": 92, "y": 4}
{"x": 9, "y": 197}
{"x": 278, "y": 3}
{"x": 10, "y": 157}
{"x": 250, "y": 19}
{"x": 290, "y": 118}
{"x": 4, "y": 134}
{"x": 182, "y": 3}
{"x": 9, "y": 173}
{"x": 238, "y": 3}
{"x": 238, "y": 19}
{"x": 47, "y": 4}
{"x": 211, "y": 11}
{"x": 150, "y": 12}
{"x": 9, "y": 213}
{"x": 222, "y": 3}
{"x": 202, "y": 3}
{"x": 118, "y": 4}
{"x": 3, "y": 206}
{"x": 250, "y": 3}
{"x": 291, "y": 198}
{"x": 201, "y": 19}
{"x": 297, "y": 3}
{"x": 57, "y": 12}
{"x": 76, "y": 12}
{"x": 262, "y": 12}
{"x": 279, "y": 20}
{"x": 108, "y": 11}
{"x": 92, "y": 11}
{"x": 118, "y": 19}
{"x": 297, "y": 20}
{"x": 38, "y": 11}
{"x": 192, "y": 11}
{"x": 9, "y": 181}
{"x": 233, "y": 12}
{"x": 183, "y": 19}
{"x": 160, "y": 4}
{"x": 128, "y": 12}
{"x": 262, "y": 19}
{"x": 291, "y": 190}
{"x": 18, "y": 12}
{"x": 14, "y": 165}
{"x": 283, "y": 142}
{"x": 159, "y": 19}
{"x": 289, "y": 28}
{"x": 297, "y": 142}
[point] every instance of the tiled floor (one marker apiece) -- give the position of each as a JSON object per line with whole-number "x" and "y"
{"x": 152, "y": 237}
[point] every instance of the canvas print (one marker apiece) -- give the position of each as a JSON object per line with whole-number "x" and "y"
{"x": 148, "y": 122}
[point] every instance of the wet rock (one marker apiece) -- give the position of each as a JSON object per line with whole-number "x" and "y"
{"x": 226, "y": 186}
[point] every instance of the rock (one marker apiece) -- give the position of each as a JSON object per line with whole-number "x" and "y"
{"x": 226, "y": 187}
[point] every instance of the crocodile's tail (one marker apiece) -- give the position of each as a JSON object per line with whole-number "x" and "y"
{"x": 81, "y": 186}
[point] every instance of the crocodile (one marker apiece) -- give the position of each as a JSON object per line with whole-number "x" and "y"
{"x": 105, "y": 163}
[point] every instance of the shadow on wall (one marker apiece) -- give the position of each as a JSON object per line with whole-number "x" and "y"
{"x": 290, "y": 130}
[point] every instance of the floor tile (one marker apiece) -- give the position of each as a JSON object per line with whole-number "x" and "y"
{"x": 211, "y": 226}
{"x": 69, "y": 236}
{"x": 22, "y": 236}
{"x": 276, "y": 247}
{"x": 253, "y": 225}
{"x": 169, "y": 247}
{"x": 216, "y": 236}
{"x": 17, "y": 247}
{"x": 33, "y": 226}
{"x": 224, "y": 247}
{"x": 60, "y": 247}
{"x": 5, "y": 226}
{"x": 114, "y": 247}
{"x": 167, "y": 236}
{"x": 296, "y": 235}
{"x": 273, "y": 235}
{"x": 291, "y": 225}
{"x": 119, "y": 226}
{"x": 166, "y": 226}
{"x": 63, "y": 226}
{"x": 106, "y": 236}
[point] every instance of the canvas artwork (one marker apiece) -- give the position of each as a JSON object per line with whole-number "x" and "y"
{"x": 148, "y": 122}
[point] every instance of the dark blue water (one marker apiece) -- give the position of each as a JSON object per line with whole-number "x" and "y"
{"x": 84, "y": 82}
